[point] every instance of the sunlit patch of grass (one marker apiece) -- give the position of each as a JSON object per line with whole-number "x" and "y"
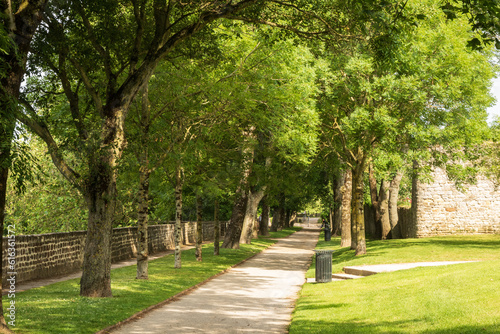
{"x": 449, "y": 248}
{"x": 460, "y": 298}
{"x": 58, "y": 308}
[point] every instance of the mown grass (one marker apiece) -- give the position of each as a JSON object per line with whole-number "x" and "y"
{"x": 58, "y": 308}
{"x": 459, "y": 298}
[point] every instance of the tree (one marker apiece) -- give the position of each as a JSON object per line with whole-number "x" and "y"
{"x": 274, "y": 103}
{"x": 19, "y": 24}
{"x": 419, "y": 83}
{"x": 81, "y": 46}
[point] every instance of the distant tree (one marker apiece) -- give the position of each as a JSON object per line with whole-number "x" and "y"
{"x": 425, "y": 82}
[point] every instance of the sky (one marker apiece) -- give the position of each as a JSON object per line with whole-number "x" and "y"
{"x": 495, "y": 110}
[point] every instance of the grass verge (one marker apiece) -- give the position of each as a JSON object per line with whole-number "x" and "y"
{"x": 460, "y": 298}
{"x": 58, "y": 308}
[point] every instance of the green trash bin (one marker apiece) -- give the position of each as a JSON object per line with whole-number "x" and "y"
{"x": 323, "y": 265}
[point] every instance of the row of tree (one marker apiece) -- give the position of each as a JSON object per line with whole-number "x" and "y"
{"x": 235, "y": 100}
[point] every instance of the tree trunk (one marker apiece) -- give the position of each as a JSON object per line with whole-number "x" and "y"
{"x": 384, "y": 209}
{"x": 143, "y": 205}
{"x": 216, "y": 228}
{"x": 255, "y": 226}
{"x": 393, "y": 205}
{"x": 336, "y": 211}
{"x": 178, "y": 218}
{"x": 142, "y": 219}
{"x": 101, "y": 198}
{"x": 281, "y": 222}
{"x": 199, "y": 228}
{"x": 375, "y": 197}
{"x": 345, "y": 240}
{"x": 100, "y": 193}
{"x": 354, "y": 222}
{"x": 287, "y": 218}
{"x": 293, "y": 218}
{"x": 233, "y": 233}
{"x": 21, "y": 26}
{"x": 253, "y": 200}
{"x": 357, "y": 205}
{"x": 7, "y": 125}
{"x": 4, "y": 173}
{"x": 264, "y": 223}
{"x": 276, "y": 219}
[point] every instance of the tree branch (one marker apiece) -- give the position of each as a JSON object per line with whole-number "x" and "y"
{"x": 40, "y": 129}
{"x": 99, "y": 48}
{"x": 72, "y": 98}
{"x": 88, "y": 85}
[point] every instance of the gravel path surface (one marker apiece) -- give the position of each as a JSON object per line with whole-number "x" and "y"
{"x": 256, "y": 297}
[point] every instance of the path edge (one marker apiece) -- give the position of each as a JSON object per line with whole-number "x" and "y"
{"x": 183, "y": 293}
{"x": 294, "y": 304}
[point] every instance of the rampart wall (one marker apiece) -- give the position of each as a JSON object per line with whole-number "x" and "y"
{"x": 56, "y": 254}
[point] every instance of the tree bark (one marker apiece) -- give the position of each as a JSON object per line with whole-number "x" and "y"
{"x": 375, "y": 198}
{"x": 143, "y": 205}
{"x": 216, "y": 228}
{"x": 383, "y": 209}
{"x": 233, "y": 233}
{"x": 178, "y": 218}
{"x": 100, "y": 193}
{"x": 199, "y": 229}
{"x": 276, "y": 219}
{"x": 264, "y": 223}
{"x": 345, "y": 240}
{"x": 281, "y": 222}
{"x": 293, "y": 218}
{"x": 357, "y": 205}
{"x": 253, "y": 200}
{"x": 101, "y": 199}
{"x": 256, "y": 226}
{"x": 232, "y": 239}
{"x": 7, "y": 125}
{"x": 393, "y": 205}
{"x": 142, "y": 220}
{"x": 337, "y": 206}
{"x": 4, "y": 173}
{"x": 287, "y": 218}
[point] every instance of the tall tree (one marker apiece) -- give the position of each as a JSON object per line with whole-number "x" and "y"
{"x": 20, "y": 20}
{"x": 100, "y": 73}
{"x": 377, "y": 99}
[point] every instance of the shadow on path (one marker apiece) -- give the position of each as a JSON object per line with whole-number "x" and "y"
{"x": 255, "y": 297}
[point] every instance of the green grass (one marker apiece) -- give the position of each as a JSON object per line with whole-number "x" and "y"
{"x": 460, "y": 298}
{"x": 58, "y": 308}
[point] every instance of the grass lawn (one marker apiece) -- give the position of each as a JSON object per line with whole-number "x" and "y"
{"x": 460, "y": 298}
{"x": 58, "y": 308}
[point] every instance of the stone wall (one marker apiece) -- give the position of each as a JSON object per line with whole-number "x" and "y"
{"x": 439, "y": 208}
{"x": 56, "y": 254}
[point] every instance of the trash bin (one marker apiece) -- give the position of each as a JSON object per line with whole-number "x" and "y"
{"x": 323, "y": 265}
{"x": 328, "y": 233}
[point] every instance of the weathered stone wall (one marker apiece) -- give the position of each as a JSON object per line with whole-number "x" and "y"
{"x": 440, "y": 209}
{"x": 55, "y": 254}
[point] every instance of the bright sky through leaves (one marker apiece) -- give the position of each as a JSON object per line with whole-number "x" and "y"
{"x": 494, "y": 111}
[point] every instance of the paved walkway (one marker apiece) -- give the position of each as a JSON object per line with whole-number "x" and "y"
{"x": 255, "y": 297}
